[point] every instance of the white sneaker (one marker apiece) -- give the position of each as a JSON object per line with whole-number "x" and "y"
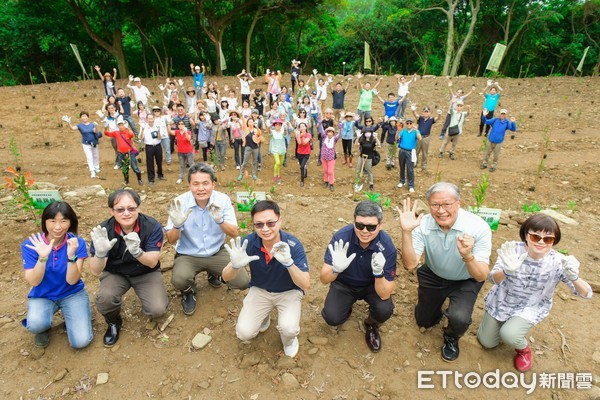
{"x": 116, "y": 167}
{"x": 400, "y": 185}
{"x": 179, "y": 181}
{"x": 93, "y": 176}
{"x": 291, "y": 350}
{"x": 265, "y": 324}
{"x": 237, "y": 167}
{"x": 97, "y": 170}
{"x": 411, "y": 190}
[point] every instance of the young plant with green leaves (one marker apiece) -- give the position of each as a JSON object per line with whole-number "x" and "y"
{"x": 480, "y": 191}
{"x": 533, "y": 208}
{"x": 21, "y": 183}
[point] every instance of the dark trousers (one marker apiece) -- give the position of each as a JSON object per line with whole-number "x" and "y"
{"x": 303, "y": 161}
{"x": 237, "y": 152}
{"x": 482, "y": 122}
{"x": 154, "y": 155}
{"x": 172, "y": 143}
{"x": 407, "y": 169}
{"x": 446, "y": 124}
{"x": 347, "y": 147}
{"x": 434, "y": 290}
{"x": 340, "y": 298}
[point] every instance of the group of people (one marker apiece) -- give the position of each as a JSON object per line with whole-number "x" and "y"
{"x": 204, "y": 119}
{"x": 359, "y": 263}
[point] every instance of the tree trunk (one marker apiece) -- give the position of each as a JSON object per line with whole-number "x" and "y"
{"x": 450, "y": 36}
{"x": 118, "y": 53}
{"x": 249, "y": 37}
{"x": 467, "y": 39}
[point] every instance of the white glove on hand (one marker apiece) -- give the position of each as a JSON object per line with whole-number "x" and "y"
{"x": 101, "y": 243}
{"x": 161, "y": 87}
{"x": 439, "y": 112}
{"x": 413, "y": 107}
{"x": 180, "y": 81}
{"x": 268, "y": 71}
{"x": 571, "y": 267}
{"x": 315, "y": 72}
{"x": 99, "y": 114}
{"x": 377, "y": 264}
{"x": 508, "y": 254}
{"x": 339, "y": 260}
{"x": 237, "y": 253}
{"x": 132, "y": 240}
{"x": 281, "y": 251}
{"x": 375, "y": 91}
{"x": 67, "y": 119}
{"x": 216, "y": 212}
{"x": 489, "y": 82}
{"x": 177, "y": 215}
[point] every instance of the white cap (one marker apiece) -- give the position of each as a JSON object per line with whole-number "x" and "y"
{"x": 503, "y": 111}
{"x": 393, "y": 119}
{"x": 137, "y": 79}
{"x": 120, "y": 120}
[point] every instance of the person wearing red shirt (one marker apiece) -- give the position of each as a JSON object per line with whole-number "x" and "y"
{"x": 185, "y": 150}
{"x": 125, "y": 148}
{"x": 303, "y": 138}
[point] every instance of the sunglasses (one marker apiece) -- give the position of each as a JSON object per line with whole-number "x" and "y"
{"x": 121, "y": 210}
{"x": 535, "y": 238}
{"x": 269, "y": 224}
{"x": 409, "y": 123}
{"x": 360, "y": 227}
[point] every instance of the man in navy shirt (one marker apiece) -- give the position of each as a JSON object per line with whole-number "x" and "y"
{"x": 279, "y": 277}
{"x": 360, "y": 264}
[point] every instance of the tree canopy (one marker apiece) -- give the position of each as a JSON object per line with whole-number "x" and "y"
{"x": 162, "y": 37}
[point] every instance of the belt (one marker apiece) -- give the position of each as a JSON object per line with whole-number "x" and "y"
{"x": 404, "y": 149}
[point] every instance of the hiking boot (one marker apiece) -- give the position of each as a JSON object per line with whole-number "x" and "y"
{"x": 115, "y": 322}
{"x": 441, "y": 155}
{"x": 42, "y": 339}
{"x": 523, "y": 359}
{"x": 452, "y": 157}
{"x": 331, "y": 187}
{"x": 483, "y": 165}
{"x": 188, "y": 301}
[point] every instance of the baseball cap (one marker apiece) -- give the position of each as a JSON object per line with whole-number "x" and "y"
{"x": 410, "y": 120}
{"x": 460, "y": 103}
{"x": 197, "y": 67}
{"x": 426, "y": 109}
{"x": 137, "y": 79}
{"x": 503, "y": 111}
{"x": 156, "y": 108}
{"x": 393, "y": 119}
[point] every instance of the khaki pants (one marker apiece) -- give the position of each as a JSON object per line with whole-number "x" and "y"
{"x": 449, "y": 139}
{"x": 492, "y": 148}
{"x": 390, "y": 154}
{"x": 422, "y": 151}
{"x": 513, "y": 332}
{"x": 368, "y": 169}
{"x": 259, "y": 303}
{"x": 185, "y": 269}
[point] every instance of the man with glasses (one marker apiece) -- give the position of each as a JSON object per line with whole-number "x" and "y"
{"x": 126, "y": 253}
{"x": 279, "y": 277}
{"x": 457, "y": 246}
{"x": 360, "y": 264}
{"x": 199, "y": 221}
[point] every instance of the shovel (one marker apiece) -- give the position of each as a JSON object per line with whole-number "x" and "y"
{"x": 358, "y": 185}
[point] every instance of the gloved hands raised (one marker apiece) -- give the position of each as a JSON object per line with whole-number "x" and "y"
{"x": 413, "y": 107}
{"x": 508, "y": 254}
{"x": 571, "y": 267}
{"x": 237, "y": 253}
{"x": 377, "y": 264}
{"x": 177, "y": 214}
{"x": 339, "y": 260}
{"x": 281, "y": 251}
{"x": 216, "y": 212}
{"x": 66, "y": 118}
{"x": 132, "y": 240}
{"x": 101, "y": 243}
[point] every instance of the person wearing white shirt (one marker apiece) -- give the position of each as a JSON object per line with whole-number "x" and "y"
{"x": 199, "y": 221}
{"x": 161, "y": 122}
{"x": 403, "y": 90}
{"x": 150, "y": 136}
{"x": 140, "y": 92}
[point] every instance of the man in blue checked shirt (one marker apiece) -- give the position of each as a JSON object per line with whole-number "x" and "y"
{"x": 278, "y": 277}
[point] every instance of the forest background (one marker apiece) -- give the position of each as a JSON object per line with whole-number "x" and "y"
{"x": 162, "y": 37}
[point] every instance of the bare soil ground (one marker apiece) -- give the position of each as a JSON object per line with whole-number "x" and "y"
{"x": 148, "y": 364}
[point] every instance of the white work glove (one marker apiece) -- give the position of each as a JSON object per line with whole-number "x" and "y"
{"x": 314, "y": 71}
{"x": 161, "y": 87}
{"x": 439, "y": 112}
{"x": 180, "y": 81}
{"x": 278, "y": 72}
{"x": 67, "y": 119}
{"x": 130, "y": 78}
{"x": 339, "y": 260}
{"x": 281, "y": 251}
{"x": 413, "y": 107}
{"x": 508, "y": 254}
{"x": 177, "y": 214}
{"x": 489, "y": 82}
{"x": 237, "y": 253}
{"x": 377, "y": 264}
{"x": 101, "y": 243}
{"x": 268, "y": 71}
{"x": 375, "y": 91}
{"x": 330, "y": 79}
{"x": 132, "y": 240}
{"x": 216, "y": 212}
{"x": 99, "y": 114}
{"x": 571, "y": 267}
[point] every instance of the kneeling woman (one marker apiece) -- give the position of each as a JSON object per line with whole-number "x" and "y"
{"x": 525, "y": 277}
{"x": 53, "y": 261}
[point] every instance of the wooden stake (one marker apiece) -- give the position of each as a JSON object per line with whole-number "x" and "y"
{"x": 31, "y": 77}
{"x": 552, "y": 70}
{"x": 43, "y": 74}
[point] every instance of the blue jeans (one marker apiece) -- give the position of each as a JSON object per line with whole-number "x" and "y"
{"x": 76, "y": 310}
{"x": 131, "y": 123}
{"x": 166, "y": 145}
{"x": 402, "y": 108}
{"x": 362, "y": 115}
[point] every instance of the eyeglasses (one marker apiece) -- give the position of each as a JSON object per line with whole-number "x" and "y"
{"x": 535, "y": 238}
{"x": 269, "y": 224}
{"x": 409, "y": 123}
{"x": 122, "y": 210}
{"x": 445, "y": 206}
{"x": 360, "y": 226}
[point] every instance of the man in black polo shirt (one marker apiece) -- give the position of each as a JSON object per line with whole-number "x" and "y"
{"x": 360, "y": 264}
{"x": 425, "y": 122}
{"x": 126, "y": 253}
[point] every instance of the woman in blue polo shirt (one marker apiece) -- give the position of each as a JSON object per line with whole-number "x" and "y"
{"x": 53, "y": 262}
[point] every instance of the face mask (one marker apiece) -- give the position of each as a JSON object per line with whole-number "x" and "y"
{"x": 367, "y": 134}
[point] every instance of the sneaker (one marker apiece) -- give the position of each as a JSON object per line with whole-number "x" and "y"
{"x": 291, "y": 350}
{"x": 450, "y": 350}
{"x": 371, "y": 186}
{"x": 140, "y": 182}
{"x": 483, "y": 165}
{"x": 188, "y": 301}
{"x": 492, "y": 168}
{"x": 301, "y": 184}
{"x": 151, "y": 183}
{"x": 116, "y": 167}
{"x": 411, "y": 190}
{"x": 214, "y": 280}
{"x": 279, "y": 181}
{"x": 254, "y": 177}
{"x": 265, "y": 324}
{"x": 331, "y": 187}
{"x": 325, "y": 185}
{"x": 237, "y": 167}
{"x": 179, "y": 181}
{"x": 479, "y": 134}
{"x": 523, "y": 359}
{"x": 319, "y": 163}
{"x": 42, "y": 339}
{"x": 400, "y": 185}
{"x": 259, "y": 167}
{"x": 388, "y": 166}
{"x": 441, "y": 155}
{"x": 452, "y": 157}
{"x": 222, "y": 168}
{"x": 240, "y": 176}
{"x": 93, "y": 176}
{"x": 162, "y": 178}
{"x": 97, "y": 170}
{"x": 441, "y": 136}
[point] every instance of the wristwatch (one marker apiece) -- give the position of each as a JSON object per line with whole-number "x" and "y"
{"x": 73, "y": 260}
